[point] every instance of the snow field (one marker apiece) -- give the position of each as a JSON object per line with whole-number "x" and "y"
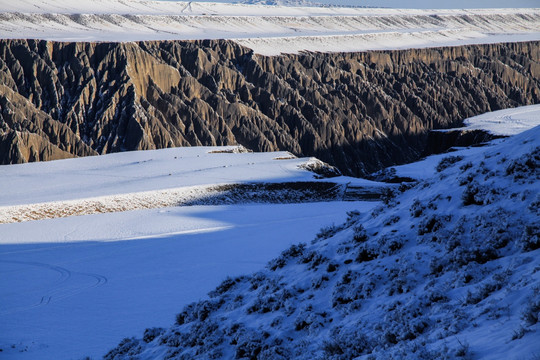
{"x": 268, "y": 30}
{"x": 144, "y": 171}
{"x": 76, "y": 286}
{"x": 506, "y": 122}
{"x": 447, "y": 267}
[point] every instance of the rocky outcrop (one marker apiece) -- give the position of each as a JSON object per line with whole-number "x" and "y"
{"x": 441, "y": 141}
{"x": 29, "y": 134}
{"x": 357, "y": 111}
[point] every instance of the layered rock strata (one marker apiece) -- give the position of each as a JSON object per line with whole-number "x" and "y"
{"x": 357, "y": 111}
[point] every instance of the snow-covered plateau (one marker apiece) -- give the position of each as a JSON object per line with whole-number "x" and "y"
{"x": 268, "y": 30}
{"x": 506, "y": 122}
{"x": 447, "y": 267}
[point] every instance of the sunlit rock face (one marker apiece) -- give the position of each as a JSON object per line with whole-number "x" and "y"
{"x": 357, "y": 111}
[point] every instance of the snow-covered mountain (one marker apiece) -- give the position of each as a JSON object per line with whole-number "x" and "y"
{"x": 448, "y": 267}
{"x": 267, "y": 29}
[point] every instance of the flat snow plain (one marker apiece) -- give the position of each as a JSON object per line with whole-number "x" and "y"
{"x": 75, "y": 286}
{"x": 268, "y": 30}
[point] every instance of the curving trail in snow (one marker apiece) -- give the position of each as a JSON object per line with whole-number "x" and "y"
{"x": 130, "y": 270}
{"x": 67, "y": 285}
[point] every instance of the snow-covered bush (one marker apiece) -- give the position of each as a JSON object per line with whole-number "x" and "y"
{"x": 474, "y": 194}
{"x": 531, "y": 313}
{"x": 128, "y": 347}
{"x": 388, "y": 244}
{"x": 527, "y": 167}
{"x": 198, "y": 311}
{"x": 294, "y": 251}
{"x": 447, "y": 162}
{"x": 351, "y": 290}
{"x": 482, "y": 292}
{"x": 226, "y": 286}
{"x": 466, "y": 166}
{"x": 534, "y": 206}
{"x": 417, "y": 208}
{"x": 387, "y": 196}
{"x": 360, "y": 234}
{"x": 366, "y": 253}
{"x": 314, "y": 259}
{"x": 327, "y": 232}
{"x": 432, "y": 223}
{"x": 151, "y": 333}
{"x": 530, "y": 239}
{"x": 346, "y": 344}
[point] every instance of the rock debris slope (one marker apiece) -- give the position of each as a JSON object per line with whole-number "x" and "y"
{"x": 358, "y": 111}
{"x": 448, "y": 268}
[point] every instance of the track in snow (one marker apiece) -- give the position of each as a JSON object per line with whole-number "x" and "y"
{"x": 61, "y": 288}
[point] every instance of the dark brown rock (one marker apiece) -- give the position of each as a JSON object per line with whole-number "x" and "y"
{"x": 357, "y": 111}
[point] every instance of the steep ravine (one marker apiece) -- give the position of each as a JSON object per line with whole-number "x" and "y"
{"x": 358, "y": 111}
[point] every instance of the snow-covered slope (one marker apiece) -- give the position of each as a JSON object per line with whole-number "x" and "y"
{"x": 142, "y": 171}
{"x": 449, "y": 268}
{"x": 266, "y": 29}
{"x": 163, "y": 178}
{"x": 506, "y": 122}
{"x": 73, "y": 286}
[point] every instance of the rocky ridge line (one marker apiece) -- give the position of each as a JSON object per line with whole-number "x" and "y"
{"x": 357, "y": 111}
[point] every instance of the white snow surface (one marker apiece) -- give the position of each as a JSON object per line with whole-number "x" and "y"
{"x": 449, "y": 268}
{"x": 141, "y": 171}
{"x": 142, "y": 180}
{"x": 506, "y": 122}
{"x": 268, "y": 30}
{"x": 75, "y": 286}
{"x": 149, "y": 172}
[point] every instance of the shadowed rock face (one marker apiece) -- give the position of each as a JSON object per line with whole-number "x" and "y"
{"x": 358, "y": 111}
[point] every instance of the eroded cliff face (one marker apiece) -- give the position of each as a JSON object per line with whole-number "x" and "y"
{"x": 358, "y": 111}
